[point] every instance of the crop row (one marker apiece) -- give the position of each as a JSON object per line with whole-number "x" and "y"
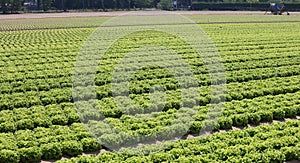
{"x": 278, "y": 142}
{"x": 28, "y": 62}
{"x": 37, "y": 116}
{"x": 245, "y": 32}
{"x": 261, "y": 44}
{"x": 202, "y": 75}
{"x": 23, "y": 118}
{"x": 32, "y": 98}
{"x": 34, "y": 39}
{"x": 249, "y": 90}
{"x": 46, "y": 143}
{"x": 42, "y": 74}
{"x": 234, "y": 91}
{"x": 50, "y": 23}
{"x": 46, "y": 55}
{"x": 51, "y": 110}
{"x": 264, "y": 87}
{"x": 36, "y": 99}
{"x": 70, "y": 32}
{"x": 166, "y": 124}
{"x": 187, "y": 53}
{"x": 193, "y": 59}
{"x": 37, "y": 62}
{"x": 129, "y": 48}
{"x": 42, "y": 52}
{"x": 55, "y": 70}
{"x": 38, "y": 91}
{"x": 117, "y": 51}
{"x": 228, "y": 55}
{"x": 21, "y": 76}
{"x": 35, "y": 85}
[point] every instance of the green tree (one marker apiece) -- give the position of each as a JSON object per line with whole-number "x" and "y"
{"x": 16, "y": 5}
{"x": 165, "y": 4}
{"x": 10, "y": 5}
{"x": 39, "y": 3}
{"x": 252, "y": 1}
{"x": 142, "y": 3}
{"x": 46, "y": 4}
{"x": 275, "y": 1}
{"x": 3, "y": 5}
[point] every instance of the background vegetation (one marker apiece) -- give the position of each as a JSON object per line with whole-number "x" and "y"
{"x": 12, "y": 6}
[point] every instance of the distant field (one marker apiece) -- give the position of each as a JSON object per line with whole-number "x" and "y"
{"x": 111, "y": 14}
{"x": 75, "y": 20}
{"x": 260, "y": 121}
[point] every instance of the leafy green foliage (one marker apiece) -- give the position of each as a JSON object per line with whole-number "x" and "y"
{"x": 72, "y": 148}
{"x": 225, "y": 123}
{"x": 32, "y": 154}
{"x": 90, "y": 144}
{"x": 240, "y": 120}
{"x": 51, "y": 151}
{"x": 39, "y": 121}
{"x": 165, "y": 4}
{"x": 9, "y": 156}
{"x": 270, "y": 143}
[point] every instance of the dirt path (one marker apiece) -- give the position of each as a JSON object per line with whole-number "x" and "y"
{"x": 119, "y": 13}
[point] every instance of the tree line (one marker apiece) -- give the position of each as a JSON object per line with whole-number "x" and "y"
{"x": 9, "y": 6}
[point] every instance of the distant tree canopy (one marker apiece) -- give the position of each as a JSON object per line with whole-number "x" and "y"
{"x": 11, "y": 6}
{"x": 249, "y": 1}
{"x": 165, "y": 4}
{"x": 7, "y": 6}
{"x": 109, "y": 4}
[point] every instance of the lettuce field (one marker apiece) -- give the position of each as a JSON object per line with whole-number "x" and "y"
{"x": 257, "y": 115}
